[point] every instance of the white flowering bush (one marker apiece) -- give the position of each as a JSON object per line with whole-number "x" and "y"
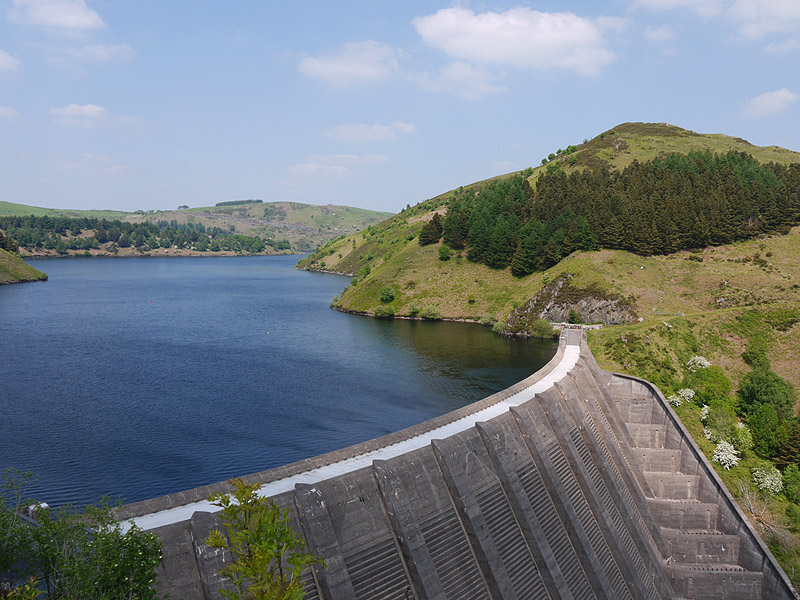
{"x": 726, "y": 455}
{"x": 697, "y": 362}
{"x": 683, "y": 395}
{"x": 704, "y": 412}
{"x": 768, "y": 479}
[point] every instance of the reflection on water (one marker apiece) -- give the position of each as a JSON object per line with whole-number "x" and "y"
{"x": 141, "y": 377}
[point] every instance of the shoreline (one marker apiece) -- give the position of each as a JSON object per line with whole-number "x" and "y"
{"x": 168, "y": 254}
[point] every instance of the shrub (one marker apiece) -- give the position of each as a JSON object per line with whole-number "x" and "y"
{"x": 742, "y": 438}
{"x": 791, "y": 483}
{"x": 793, "y": 513}
{"x": 769, "y": 433}
{"x": 710, "y": 385}
{"x": 696, "y": 363}
{"x": 541, "y": 328}
{"x": 387, "y": 295}
{"x": 768, "y": 479}
{"x": 765, "y": 387}
{"x": 413, "y": 310}
{"x": 722, "y": 421}
{"x": 488, "y": 319}
{"x": 574, "y": 317}
{"x": 431, "y": 313}
{"x": 726, "y": 455}
{"x": 384, "y": 312}
{"x": 444, "y": 252}
{"x": 682, "y": 395}
{"x": 334, "y": 301}
{"x": 499, "y": 327}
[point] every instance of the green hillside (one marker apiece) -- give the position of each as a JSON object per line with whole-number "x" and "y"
{"x": 460, "y": 288}
{"x": 14, "y": 270}
{"x": 302, "y": 227}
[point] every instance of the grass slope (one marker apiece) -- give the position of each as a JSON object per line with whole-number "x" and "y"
{"x": 14, "y": 270}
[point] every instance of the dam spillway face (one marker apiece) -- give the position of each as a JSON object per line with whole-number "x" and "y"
{"x": 581, "y": 484}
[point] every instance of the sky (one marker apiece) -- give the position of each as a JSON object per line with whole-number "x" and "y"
{"x": 128, "y": 105}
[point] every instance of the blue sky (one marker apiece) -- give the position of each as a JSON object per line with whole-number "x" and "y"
{"x": 152, "y": 104}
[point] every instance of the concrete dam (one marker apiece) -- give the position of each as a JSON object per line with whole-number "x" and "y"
{"x": 575, "y": 483}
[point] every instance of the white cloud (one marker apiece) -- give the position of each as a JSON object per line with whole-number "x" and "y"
{"x": 769, "y": 104}
{"x": 463, "y": 79}
{"x": 100, "y": 53}
{"x": 8, "y": 62}
{"x": 86, "y": 115}
{"x": 762, "y": 17}
{"x": 353, "y": 63}
{"x": 6, "y": 112}
{"x": 520, "y": 37}
{"x": 406, "y": 128}
{"x": 334, "y": 165}
{"x": 62, "y": 14}
{"x": 370, "y": 133}
{"x": 658, "y": 35}
{"x": 784, "y": 46}
{"x": 704, "y": 8}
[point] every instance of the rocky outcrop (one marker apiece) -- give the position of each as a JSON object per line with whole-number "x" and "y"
{"x": 561, "y": 301}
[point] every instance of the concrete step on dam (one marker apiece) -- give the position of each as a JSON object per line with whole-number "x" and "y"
{"x": 575, "y": 483}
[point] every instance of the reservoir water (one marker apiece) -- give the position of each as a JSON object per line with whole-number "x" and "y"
{"x": 145, "y": 376}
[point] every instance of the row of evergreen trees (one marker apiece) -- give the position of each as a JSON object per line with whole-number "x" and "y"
{"x": 657, "y": 207}
{"x": 63, "y": 233}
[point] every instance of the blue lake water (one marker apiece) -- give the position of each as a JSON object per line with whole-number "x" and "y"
{"x": 145, "y": 376}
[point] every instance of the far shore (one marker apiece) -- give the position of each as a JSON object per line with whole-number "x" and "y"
{"x": 133, "y": 253}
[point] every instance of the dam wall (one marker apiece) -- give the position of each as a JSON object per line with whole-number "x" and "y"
{"x": 575, "y": 483}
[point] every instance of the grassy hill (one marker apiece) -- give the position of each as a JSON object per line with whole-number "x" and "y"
{"x": 304, "y": 226}
{"x": 14, "y": 270}
{"x": 459, "y": 289}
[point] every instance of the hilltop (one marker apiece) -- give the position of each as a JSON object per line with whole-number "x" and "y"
{"x": 14, "y": 270}
{"x": 283, "y": 226}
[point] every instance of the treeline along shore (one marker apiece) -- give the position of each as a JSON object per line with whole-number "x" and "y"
{"x": 64, "y": 236}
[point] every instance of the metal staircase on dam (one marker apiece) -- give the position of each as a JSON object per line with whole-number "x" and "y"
{"x": 592, "y": 489}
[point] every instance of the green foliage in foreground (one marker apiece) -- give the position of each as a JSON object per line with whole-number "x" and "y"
{"x": 72, "y": 555}
{"x": 269, "y": 558}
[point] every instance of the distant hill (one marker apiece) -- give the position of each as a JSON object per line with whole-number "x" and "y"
{"x": 14, "y": 270}
{"x": 293, "y": 226}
